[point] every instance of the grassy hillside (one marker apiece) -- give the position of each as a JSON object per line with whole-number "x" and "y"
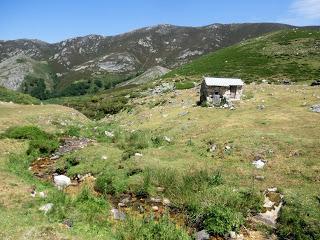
{"x": 288, "y": 54}
{"x": 213, "y": 190}
{"x": 7, "y": 95}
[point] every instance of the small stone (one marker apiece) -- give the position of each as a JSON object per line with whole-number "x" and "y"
{"x": 166, "y": 202}
{"x": 138, "y": 154}
{"x": 46, "y": 208}
{"x": 160, "y": 189}
{"x": 232, "y": 234}
{"x": 42, "y": 195}
{"x": 155, "y": 208}
{"x": 33, "y": 193}
{"x": 109, "y": 134}
{"x": 213, "y": 147}
{"x": 68, "y": 223}
{"x": 227, "y": 147}
{"x": 259, "y": 177}
{"x": 274, "y": 189}
{"x": 259, "y": 164}
{"x": 104, "y": 157}
{"x": 120, "y": 204}
{"x": 167, "y": 139}
{"x": 118, "y": 215}
{"x": 202, "y": 235}
{"x": 155, "y": 200}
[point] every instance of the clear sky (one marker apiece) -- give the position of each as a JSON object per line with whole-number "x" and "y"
{"x": 56, "y": 20}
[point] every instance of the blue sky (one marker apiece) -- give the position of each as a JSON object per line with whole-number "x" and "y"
{"x": 57, "y": 20}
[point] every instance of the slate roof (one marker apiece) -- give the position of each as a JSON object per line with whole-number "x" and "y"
{"x": 223, "y": 82}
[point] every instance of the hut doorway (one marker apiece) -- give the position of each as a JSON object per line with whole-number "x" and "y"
{"x": 233, "y": 91}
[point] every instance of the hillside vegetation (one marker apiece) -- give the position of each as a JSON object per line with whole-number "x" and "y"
{"x": 7, "y": 95}
{"x": 162, "y": 148}
{"x": 285, "y": 55}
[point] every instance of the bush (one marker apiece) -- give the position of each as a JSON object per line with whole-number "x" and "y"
{"x": 220, "y": 220}
{"x": 25, "y": 132}
{"x": 111, "y": 182}
{"x": 184, "y": 85}
{"x": 293, "y": 223}
{"x": 73, "y": 131}
{"x": 41, "y": 143}
{"x": 43, "y": 146}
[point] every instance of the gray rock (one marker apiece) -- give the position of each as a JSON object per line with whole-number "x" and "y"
{"x": 46, "y": 208}
{"x": 315, "y": 108}
{"x": 61, "y": 181}
{"x": 202, "y": 235}
{"x": 118, "y": 215}
{"x": 155, "y": 200}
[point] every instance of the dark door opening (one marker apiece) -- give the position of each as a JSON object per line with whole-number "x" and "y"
{"x": 233, "y": 91}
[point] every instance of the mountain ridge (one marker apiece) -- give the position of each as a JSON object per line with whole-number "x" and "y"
{"x": 124, "y": 56}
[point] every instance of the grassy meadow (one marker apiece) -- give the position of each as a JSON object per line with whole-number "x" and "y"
{"x": 216, "y": 191}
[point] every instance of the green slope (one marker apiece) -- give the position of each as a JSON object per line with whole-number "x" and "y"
{"x": 7, "y": 95}
{"x": 288, "y": 54}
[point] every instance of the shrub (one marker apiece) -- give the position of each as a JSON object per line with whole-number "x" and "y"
{"x": 293, "y": 223}
{"x": 25, "y": 132}
{"x": 41, "y": 143}
{"x": 43, "y": 146}
{"x": 111, "y": 182}
{"x": 184, "y": 85}
{"x": 73, "y": 131}
{"x": 220, "y": 220}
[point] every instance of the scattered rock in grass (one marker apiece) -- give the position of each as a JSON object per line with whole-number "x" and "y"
{"x": 54, "y": 157}
{"x": 234, "y": 235}
{"x": 120, "y": 204}
{"x": 141, "y": 209}
{"x": 212, "y": 147}
{"x": 160, "y": 189}
{"x": 183, "y": 114}
{"x": 125, "y": 201}
{"x": 232, "y": 108}
{"x": 259, "y": 164}
{"x": 33, "y": 193}
{"x": 315, "y": 108}
{"x": 261, "y": 107}
{"x": 271, "y": 207}
{"x": 109, "y": 134}
{"x": 68, "y": 223}
{"x": 227, "y": 148}
{"x": 155, "y": 208}
{"x": 61, "y": 181}
{"x": 167, "y": 139}
{"x": 46, "y": 208}
{"x": 118, "y": 215}
{"x": 42, "y": 195}
{"x": 166, "y": 202}
{"x": 155, "y": 200}
{"x": 72, "y": 143}
{"x": 202, "y": 235}
{"x": 104, "y": 157}
{"x": 138, "y": 154}
{"x": 260, "y": 178}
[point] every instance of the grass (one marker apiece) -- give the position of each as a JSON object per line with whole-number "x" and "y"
{"x": 288, "y": 54}
{"x": 7, "y": 95}
{"x": 215, "y": 191}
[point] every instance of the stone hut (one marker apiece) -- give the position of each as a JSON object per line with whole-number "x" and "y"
{"x": 213, "y": 90}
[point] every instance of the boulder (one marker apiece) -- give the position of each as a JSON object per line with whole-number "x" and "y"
{"x": 259, "y": 164}
{"x": 315, "y": 108}
{"x": 61, "y": 181}
{"x": 202, "y": 235}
